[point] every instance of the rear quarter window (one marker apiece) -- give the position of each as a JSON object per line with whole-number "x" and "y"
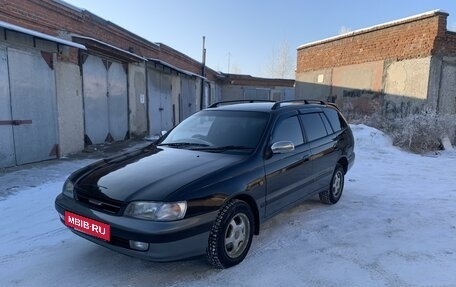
{"x": 336, "y": 121}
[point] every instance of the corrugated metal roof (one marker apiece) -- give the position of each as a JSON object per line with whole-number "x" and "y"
{"x": 40, "y": 35}
{"x": 110, "y": 46}
{"x": 188, "y": 73}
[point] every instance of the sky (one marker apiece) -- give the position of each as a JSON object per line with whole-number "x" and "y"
{"x": 241, "y": 35}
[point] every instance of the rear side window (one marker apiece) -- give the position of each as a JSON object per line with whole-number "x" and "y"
{"x": 288, "y": 129}
{"x": 314, "y": 126}
{"x": 336, "y": 121}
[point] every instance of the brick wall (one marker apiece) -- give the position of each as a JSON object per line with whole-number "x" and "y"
{"x": 55, "y": 19}
{"x": 411, "y": 38}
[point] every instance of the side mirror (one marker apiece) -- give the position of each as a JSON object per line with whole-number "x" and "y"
{"x": 282, "y": 147}
{"x": 162, "y": 133}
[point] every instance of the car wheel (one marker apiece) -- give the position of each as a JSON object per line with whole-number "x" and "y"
{"x": 333, "y": 194}
{"x": 231, "y": 235}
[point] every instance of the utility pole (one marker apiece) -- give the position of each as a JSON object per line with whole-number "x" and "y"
{"x": 229, "y": 58}
{"x": 203, "y": 73}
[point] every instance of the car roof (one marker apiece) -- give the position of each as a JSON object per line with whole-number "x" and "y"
{"x": 267, "y": 106}
{"x": 257, "y": 107}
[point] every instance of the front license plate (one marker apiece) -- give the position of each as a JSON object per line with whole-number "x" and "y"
{"x": 88, "y": 226}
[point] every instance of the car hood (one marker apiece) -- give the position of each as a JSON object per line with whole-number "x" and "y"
{"x": 150, "y": 174}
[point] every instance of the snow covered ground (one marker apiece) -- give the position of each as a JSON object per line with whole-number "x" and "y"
{"x": 394, "y": 226}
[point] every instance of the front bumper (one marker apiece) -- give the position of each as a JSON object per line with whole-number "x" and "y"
{"x": 168, "y": 241}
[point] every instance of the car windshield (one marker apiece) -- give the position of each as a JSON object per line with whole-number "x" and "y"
{"x": 218, "y": 131}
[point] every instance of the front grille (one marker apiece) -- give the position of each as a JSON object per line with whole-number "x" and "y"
{"x": 108, "y": 205}
{"x": 115, "y": 240}
{"x": 121, "y": 242}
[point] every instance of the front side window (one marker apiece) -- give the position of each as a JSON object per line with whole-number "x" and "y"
{"x": 288, "y": 129}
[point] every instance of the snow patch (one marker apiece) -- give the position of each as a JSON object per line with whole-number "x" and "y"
{"x": 395, "y": 225}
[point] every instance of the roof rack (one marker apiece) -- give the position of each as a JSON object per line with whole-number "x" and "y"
{"x": 306, "y": 102}
{"x": 333, "y": 105}
{"x": 214, "y": 105}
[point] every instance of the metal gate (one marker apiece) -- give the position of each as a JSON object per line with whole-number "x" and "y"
{"x": 256, "y": 94}
{"x": 28, "y": 128}
{"x": 187, "y": 101}
{"x": 7, "y": 157}
{"x": 161, "y": 116}
{"x": 105, "y": 100}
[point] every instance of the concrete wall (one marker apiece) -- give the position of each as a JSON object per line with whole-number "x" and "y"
{"x": 442, "y": 84}
{"x": 69, "y": 107}
{"x": 395, "y": 67}
{"x": 337, "y": 83}
{"x": 234, "y": 92}
{"x": 314, "y": 84}
{"x": 408, "y": 78}
{"x": 231, "y": 93}
{"x": 365, "y": 76}
{"x": 137, "y": 99}
{"x": 444, "y": 90}
{"x": 392, "y": 87}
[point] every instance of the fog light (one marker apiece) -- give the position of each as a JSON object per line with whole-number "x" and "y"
{"x": 138, "y": 245}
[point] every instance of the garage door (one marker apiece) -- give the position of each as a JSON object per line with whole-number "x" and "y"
{"x": 105, "y": 100}
{"x": 7, "y": 154}
{"x": 187, "y": 101}
{"x": 160, "y": 102}
{"x": 28, "y": 130}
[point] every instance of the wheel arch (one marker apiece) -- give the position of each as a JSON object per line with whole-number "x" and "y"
{"x": 344, "y": 163}
{"x": 253, "y": 206}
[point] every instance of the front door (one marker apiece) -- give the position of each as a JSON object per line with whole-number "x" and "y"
{"x": 288, "y": 175}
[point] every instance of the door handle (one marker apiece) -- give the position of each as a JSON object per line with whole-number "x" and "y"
{"x": 15, "y": 122}
{"x": 21, "y": 122}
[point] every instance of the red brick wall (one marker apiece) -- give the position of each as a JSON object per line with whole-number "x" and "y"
{"x": 52, "y": 18}
{"x": 413, "y": 39}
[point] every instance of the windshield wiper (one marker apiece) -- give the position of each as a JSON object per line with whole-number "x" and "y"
{"x": 225, "y": 148}
{"x": 183, "y": 144}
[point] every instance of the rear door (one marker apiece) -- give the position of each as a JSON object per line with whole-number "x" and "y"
{"x": 323, "y": 143}
{"x": 288, "y": 175}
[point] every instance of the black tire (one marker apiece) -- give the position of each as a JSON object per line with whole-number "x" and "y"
{"x": 336, "y": 187}
{"x": 235, "y": 222}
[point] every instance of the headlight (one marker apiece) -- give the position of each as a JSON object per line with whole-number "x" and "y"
{"x": 68, "y": 188}
{"x": 157, "y": 211}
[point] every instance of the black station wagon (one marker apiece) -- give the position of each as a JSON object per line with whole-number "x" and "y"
{"x": 206, "y": 186}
